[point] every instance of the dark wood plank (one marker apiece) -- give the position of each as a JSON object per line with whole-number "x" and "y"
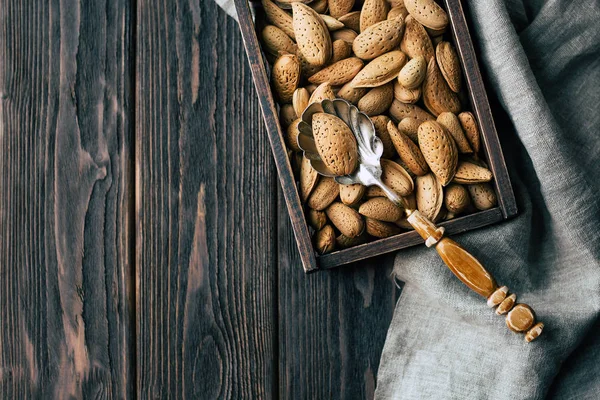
{"x": 65, "y": 200}
{"x": 332, "y": 324}
{"x": 206, "y": 205}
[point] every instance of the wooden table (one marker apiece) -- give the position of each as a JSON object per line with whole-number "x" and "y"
{"x": 145, "y": 250}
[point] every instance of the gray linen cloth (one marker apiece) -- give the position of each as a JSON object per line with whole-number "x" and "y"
{"x": 543, "y": 62}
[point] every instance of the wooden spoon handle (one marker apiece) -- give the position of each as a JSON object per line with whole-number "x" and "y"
{"x": 519, "y": 317}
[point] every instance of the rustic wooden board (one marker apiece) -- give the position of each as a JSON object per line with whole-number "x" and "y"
{"x": 206, "y": 210}
{"x": 332, "y": 324}
{"x": 66, "y": 182}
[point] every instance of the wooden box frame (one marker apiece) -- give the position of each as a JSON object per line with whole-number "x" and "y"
{"x": 480, "y": 107}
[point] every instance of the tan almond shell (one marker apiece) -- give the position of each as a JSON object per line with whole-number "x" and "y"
{"x": 287, "y": 115}
{"x": 326, "y": 191}
{"x": 378, "y": 39}
{"x": 380, "y": 123}
{"x": 351, "y": 20}
{"x": 381, "y": 70}
{"x": 275, "y": 40}
{"x": 279, "y": 18}
{"x": 399, "y": 111}
{"x": 339, "y": 8}
{"x": 347, "y": 35}
{"x": 456, "y": 198}
{"x": 320, "y": 6}
{"x": 395, "y": 177}
{"x": 452, "y": 125}
{"x": 312, "y": 35}
{"x": 380, "y": 229}
{"x": 372, "y": 12}
{"x": 437, "y": 95}
{"x": 378, "y": 100}
{"x": 309, "y": 178}
{"x": 335, "y": 143}
{"x": 300, "y": 101}
{"x": 338, "y": 73}
{"x": 449, "y": 65}
{"x": 469, "y": 173}
{"x": 285, "y": 76}
{"x": 343, "y": 241}
{"x": 428, "y": 13}
{"x": 483, "y": 196}
{"x": 469, "y": 125}
{"x": 325, "y": 240}
{"x": 341, "y": 50}
{"x": 291, "y": 134}
{"x": 412, "y": 74}
{"x": 397, "y": 11}
{"x": 322, "y": 92}
{"x": 408, "y": 151}
{"x": 351, "y": 195}
{"x": 331, "y": 23}
{"x": 415, "y": 41}
{"x": 439, "y": 151}
{"x": 404, "y": 95}
{"x": 380, "y": 208}
{"x": 430, "y": 196}
{"x": 316, "y": 219}
{"x": 410, "y": 127}
{"x": 345, "y": 219}
{"x": 351, "y": 94}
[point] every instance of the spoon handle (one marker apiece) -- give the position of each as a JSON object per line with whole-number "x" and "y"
{"x": 519, "y": 317}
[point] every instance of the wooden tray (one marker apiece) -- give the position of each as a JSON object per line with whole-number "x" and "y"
{"x": 479, "y": 106}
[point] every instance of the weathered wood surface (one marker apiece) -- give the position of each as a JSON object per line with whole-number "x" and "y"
{"x": 206, "y": 209}
{"x": 66, "y": 293}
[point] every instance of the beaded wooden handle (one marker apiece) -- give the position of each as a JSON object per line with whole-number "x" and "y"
{"x": 519, "y": 317}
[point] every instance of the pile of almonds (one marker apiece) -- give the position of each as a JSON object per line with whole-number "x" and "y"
{"x": 389, "y": 58}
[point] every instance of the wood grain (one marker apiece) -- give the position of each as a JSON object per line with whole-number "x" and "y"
{"x": 65, "y": 200}
{"x": 332, "y": 324}
{"x": 206, "y": 278}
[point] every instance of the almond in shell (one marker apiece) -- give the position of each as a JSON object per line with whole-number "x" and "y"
{"x": 397, "y": 11}
{"x": 322, "y": 92}
{"x": 381, "y": 70}
{"x": 404, "y": 95}
{"x": 437, "y": 96}
{"x": 320, "y": 6}
{"x": 410, "y": 127}
{"x": 372, "y": 12}
{"x": 347, "y": 35}
{"x": 415, "y": 41}
{"x": 395, "y": 177}
{"x": 428, "y": 13}
{"x": 331, "y": 23}
{"x": 439, "y": 151}
{"x": 312, "y": 35}
{"x": 335, "y": 143}
{"x": 409, "y": 152}
{"x": 469, "y": 173}
{"x": 309, "y": 178}
{"x": 456, "y": 198}
{"x": 377, "y": 100}
{"x": 483, "y": 196}
{"x": 292, "y": 135}
{"x": 380, "y": 229}
{"x": 287, "y": 115}
{"x": 325, "y": 240}
{"x": 430, "y": 196}
{"x": 380, "y": 208}
{"x": 278, "y": 17}
{"x": 412, "y": 74}
{"x": 452, "y": 125}
{"x": 351, "y": 94}
{"x": 449, "y": 65}
{"x": 341, "y": 50}
{"x": 338, "y": 8}
{"x": 378, "y": 39}
{"x": 339, "y": 73}
{"x": 343, "y": 241}
{"x": 351, "y": 195}
{"x": 300, "y": 101}
{"x": 316, "y": 219}
{"x": 380, "y": 122}
{"x": 351, "y": 20}
{"x": 399, "y": 110}
{"x": 346, "y": 219}
{"x": 286, "y": 76}
{"x": 326, "y": 191}
{"x": 275, "y": 40}
{"x": 469, "y": 125}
